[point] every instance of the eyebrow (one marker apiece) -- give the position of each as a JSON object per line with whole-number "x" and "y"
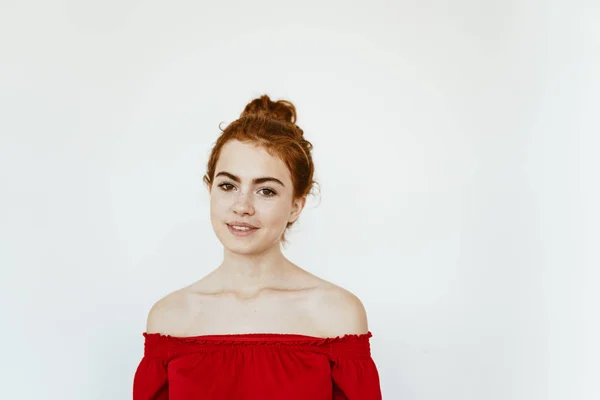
{"x": 255, "y": 181}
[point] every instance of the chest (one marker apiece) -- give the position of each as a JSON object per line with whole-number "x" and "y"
{"x": 272, "y": 314}
{"x": 256, "y": 372}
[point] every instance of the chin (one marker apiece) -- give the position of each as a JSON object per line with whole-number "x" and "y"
{"x": 246, "y": 246}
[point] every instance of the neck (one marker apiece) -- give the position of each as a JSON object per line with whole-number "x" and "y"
{"x": 249, "y": 273}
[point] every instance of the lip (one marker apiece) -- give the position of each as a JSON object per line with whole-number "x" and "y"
{"x": 241, "y": 233}
{"x": 240, "y": 223}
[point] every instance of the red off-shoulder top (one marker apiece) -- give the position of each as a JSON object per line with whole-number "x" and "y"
{"x": 254, "y": 366}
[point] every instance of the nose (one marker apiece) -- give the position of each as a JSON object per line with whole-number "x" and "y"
{"x": 243, "y": 204}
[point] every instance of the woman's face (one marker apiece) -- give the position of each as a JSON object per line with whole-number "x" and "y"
{"x": 240, "y": 194}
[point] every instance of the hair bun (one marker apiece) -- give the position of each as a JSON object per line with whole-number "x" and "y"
{"x": 263, "y": 106}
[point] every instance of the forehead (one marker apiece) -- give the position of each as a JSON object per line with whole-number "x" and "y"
{"x": 249, "y": 161}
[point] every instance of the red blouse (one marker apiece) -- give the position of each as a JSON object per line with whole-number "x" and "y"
{"x": 263, "y": 366}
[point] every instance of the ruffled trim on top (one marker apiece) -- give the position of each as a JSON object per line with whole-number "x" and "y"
{"x": 258, "y": 338}
{"x": 168, "y": 346}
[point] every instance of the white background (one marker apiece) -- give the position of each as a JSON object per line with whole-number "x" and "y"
{"x": 456, "y": 144}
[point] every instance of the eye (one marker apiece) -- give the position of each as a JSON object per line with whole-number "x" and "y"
{"x": 272, "y": 192}
{"x": 222, "y": 185}
{"x": 226, "y": 187}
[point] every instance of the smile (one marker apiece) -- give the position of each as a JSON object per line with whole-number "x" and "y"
{"x": 241, "y": 230}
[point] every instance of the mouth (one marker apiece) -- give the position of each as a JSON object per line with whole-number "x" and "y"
{"x": 241, "y": 230}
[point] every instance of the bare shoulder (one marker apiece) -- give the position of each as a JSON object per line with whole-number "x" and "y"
{"x": 167, "y": 314}
{"x": 340, "y": 311}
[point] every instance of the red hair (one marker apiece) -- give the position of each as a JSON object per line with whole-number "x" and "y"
{"x": 272, "y": 126}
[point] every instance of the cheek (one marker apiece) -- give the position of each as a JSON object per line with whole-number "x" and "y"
{"x": 218, "y": 209}
{"x": 269, "y": 213}
{"x": 274, "y": 213}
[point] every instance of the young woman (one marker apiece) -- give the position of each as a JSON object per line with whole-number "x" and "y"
{"x": 258, "y": 326}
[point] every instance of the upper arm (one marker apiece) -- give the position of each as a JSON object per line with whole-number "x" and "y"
{"x": 342, "y": 313}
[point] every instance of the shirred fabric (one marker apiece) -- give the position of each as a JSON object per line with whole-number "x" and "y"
{"x": 252, "y": 366}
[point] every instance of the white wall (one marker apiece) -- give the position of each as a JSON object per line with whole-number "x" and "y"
{"x": 456, "y": 146}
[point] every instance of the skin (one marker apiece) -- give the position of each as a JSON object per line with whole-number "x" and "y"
{"x": 256, "y": 289}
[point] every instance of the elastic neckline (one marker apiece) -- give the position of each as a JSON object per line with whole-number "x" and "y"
{"x": 259, "y": 336}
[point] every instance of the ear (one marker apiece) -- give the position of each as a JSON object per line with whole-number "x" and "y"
{"x": 297, "y": 207}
